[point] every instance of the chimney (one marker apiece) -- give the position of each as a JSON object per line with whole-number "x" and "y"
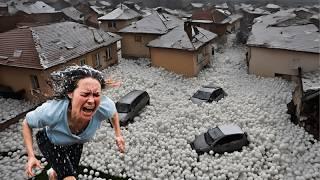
{"x": 188, "y": 29}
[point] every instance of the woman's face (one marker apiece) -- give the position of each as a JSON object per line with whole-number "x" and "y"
{"x": 85, "y": 99}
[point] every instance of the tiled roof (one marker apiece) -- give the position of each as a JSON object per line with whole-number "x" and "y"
{"x": 19, "y": 40}
{"x": 156, "y": 23}
{"x": 73, "y": 13}
{"x": 47, "y": 46}
{"x": 121, "y": 13}
{"x": 266, "y": 33}
{"x": 178, "y": 39}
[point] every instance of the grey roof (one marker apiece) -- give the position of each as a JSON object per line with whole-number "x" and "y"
{"x": 257, "y": 11}
{"x": 35, "y": 8}
{"x": 155, "y": 23}
{"x": 73, "y": 13}
{"x": 60, "y": 42}
{"x": 99, "y": 10}
{"x": 178, "y": 39}
{"x": 311, "y": 80}
{"x": 266, "y": 33}
{"x": 121, "y": 13}
{"x": 235, "y": 17}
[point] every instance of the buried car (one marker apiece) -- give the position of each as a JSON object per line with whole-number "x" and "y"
{"x": 208, "y": 93}
{"x": 225, "y": 138}
{"x": 131, "y": 104}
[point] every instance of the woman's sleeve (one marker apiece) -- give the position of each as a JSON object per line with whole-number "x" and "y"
{"x": 43, "y": 115}
{"x": 107, "y": 108}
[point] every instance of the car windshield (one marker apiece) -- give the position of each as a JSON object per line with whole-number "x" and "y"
{"x": 123, "y": 108}
{"x": 202, "y": 95}
{"x": 212, "y": 134}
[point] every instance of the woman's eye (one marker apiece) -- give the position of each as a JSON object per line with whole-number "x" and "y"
{"x": 96, "y": 95}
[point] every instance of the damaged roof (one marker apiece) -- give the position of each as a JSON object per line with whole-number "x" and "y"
{"x": 235, "y": 17}
{"x": 43, "y": 47}
{"x": 311, "y": 80}
{"x": 178, "y": 39}
{"x": 266, "y": 33}
{"x": 35, "y": 8}
{"x": 156, "y": 23}
{"x": 121, "y": 13}
{"x": 73, "y": 13}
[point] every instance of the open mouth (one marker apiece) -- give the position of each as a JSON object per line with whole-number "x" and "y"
{"x": 88, "y": 109}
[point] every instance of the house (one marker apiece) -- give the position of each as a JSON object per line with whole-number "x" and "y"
{"x": 73, "y": 14}
{"x": 118, "y": 19}
{"x": 234, "y": 23}
{"x": 136, "y": 36}
{"x": 277, "y": 48}
{"x": 304, "y": 106}
{"x": 30, "y": 14}
{"x": 214, "y": 20}
{"x": 184, "y": 50}
{"x": 29, "y": 54}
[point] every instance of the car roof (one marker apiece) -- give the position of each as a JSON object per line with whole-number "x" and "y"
{"x": 230, "y": 129}
{"x": 209, "y": 90}
{"x": 128, "y": 98}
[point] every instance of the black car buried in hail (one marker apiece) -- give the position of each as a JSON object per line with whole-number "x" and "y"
{"x": 131, "y": 104}
{"x": 225, "y": 138}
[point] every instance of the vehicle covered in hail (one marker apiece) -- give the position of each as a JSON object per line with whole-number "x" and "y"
{"x": 131, "y": 104}
{"x": 208, "y": 93}
{"x": 224, "y": 138}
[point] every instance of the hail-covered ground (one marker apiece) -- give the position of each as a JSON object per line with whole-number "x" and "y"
{"x": 157, "y": 143}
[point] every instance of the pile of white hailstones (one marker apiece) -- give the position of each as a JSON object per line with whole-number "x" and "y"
{"x": 157, "y": 142}
{"x": 10, "y": 108}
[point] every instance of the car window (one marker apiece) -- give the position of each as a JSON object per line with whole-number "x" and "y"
{"x": 123, "y": 108}
{"x": 212, "y": 135}
{"x": 202, "y": 95}
{"x": 230, "y": 138}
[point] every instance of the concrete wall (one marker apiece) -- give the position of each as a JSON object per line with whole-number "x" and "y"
{"x": 119, "y": 25}
{"x": 267, "y": 62}
{"x": 133, "y": 49}
{"x": 20, "y": 78}
{"x": 181, "y": 61}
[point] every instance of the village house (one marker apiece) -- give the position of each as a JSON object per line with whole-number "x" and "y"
{"x": 136, "y": 36}
{"x": 118, "y": 19}
{"x": 27, "y": 13}
{"x": 276, "y": 48}
{"x": 234, "y": 23}
{"x": 184, "y": 50}
{"x": 29, "y": 54}
{"x": 214, "y": 20}
{"x": 304, "y": 107}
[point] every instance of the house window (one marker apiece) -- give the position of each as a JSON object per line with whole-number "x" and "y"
{"x": 34, "y": 82}
{"x": 108, "y": 53}
{"x": 112, "y": 24}
{"x": 138, "y": 38}
{"x": 97, "y": 59}
{"x": 82, "y": 62}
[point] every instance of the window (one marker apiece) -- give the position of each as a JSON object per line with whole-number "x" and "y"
{"x": 230, "y": 138}
{"x": 112, "y": 24}
{"x": 34, "y": 82}
{"x": 138, "y": 38}
{"x": 108, "y": 53}
{"x": 97, "y": 59}
{"x": 82, "y": 62}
